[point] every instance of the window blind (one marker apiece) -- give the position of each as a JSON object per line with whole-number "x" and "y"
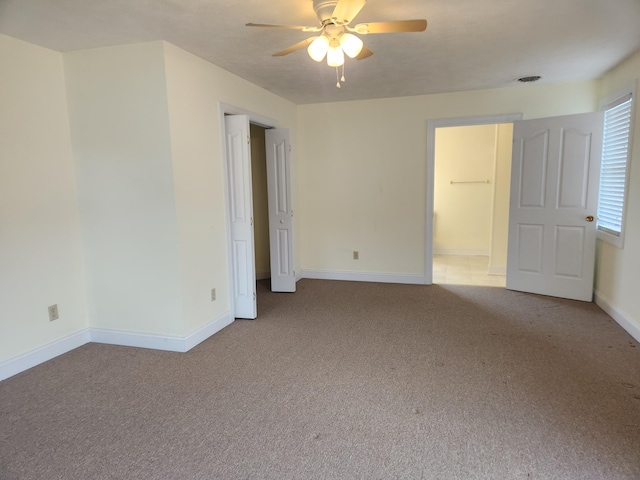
{"x": 613, "y": 174}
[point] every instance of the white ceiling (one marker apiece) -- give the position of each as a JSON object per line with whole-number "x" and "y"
{"x": 468, "y": 45}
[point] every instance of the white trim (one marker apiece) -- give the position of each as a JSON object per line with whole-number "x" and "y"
{"x": 227, "y": 212}
{"x": 618, "y": 315}
{"x": 431, "y": 154}
{"x": 497, "y": 271}
{"x": 255, "y": 118}
{"x": 631, "y": 89}
{"x": 199, "y": 335}
{"x": 140, "y": 340}
{"x": 462, "y": 252}
{"x": 364, "y": 276}
{"x": 39, "y": 355}
{"x": 171, "y": 343}
{"x": 47, "y": 352}
{"x": 615, "y": 240}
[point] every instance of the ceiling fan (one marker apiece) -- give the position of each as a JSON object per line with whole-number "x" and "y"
{"x": 337, "y": 37}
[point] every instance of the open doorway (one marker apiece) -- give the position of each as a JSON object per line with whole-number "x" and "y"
{"x": 469, "y": 236}
{"x": 240, "y": 215}
{"x": 260, "y": 202}
{"x": 468, "y": 183}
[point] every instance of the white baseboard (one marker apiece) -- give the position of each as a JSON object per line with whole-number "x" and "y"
{"x": 39, "y": 355}
{"x": 363, "y": 276}
{"x": 454, "y": 251}
{"x": 171, "y": 343}
{"x": 618, "y": 315}
{"x": 140, "y": 340}
{"x": 497, "y": 270}
{"x": 201, "y": 334}
{"x": 23, "y": 362}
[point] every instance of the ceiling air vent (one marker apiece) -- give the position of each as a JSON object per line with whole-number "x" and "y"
{"x": 530, "y": 79}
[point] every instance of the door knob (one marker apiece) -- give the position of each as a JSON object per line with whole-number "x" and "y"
{"x": 590, "y": 218}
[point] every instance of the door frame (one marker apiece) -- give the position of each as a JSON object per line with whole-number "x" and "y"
{"x": 432, "y": 125}
{"x": 256, "y": 119}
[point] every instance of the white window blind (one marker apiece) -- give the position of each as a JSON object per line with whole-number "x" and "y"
{"x": 613, "y": 174}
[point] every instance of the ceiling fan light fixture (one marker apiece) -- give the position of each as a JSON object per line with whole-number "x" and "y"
{"x": 318, "y": 48}
{"x": 335, "y": 37}
{"x": 351, "y": 45}
{"x": 335, "y": 56}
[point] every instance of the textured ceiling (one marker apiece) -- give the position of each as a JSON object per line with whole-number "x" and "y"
{"x": 468, "y": 45}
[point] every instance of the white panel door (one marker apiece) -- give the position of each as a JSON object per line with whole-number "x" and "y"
{"x": 280, "y": 210}
{"x": 241, "y": 215}
{"x": 554, "y": 197}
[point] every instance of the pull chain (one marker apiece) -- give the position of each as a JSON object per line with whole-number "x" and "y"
{"x": 339, "y": 79}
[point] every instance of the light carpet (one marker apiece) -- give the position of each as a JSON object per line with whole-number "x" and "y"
{"x": 344, "y": 380}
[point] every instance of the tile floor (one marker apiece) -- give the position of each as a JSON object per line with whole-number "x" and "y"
{"x": 464, "y": 270}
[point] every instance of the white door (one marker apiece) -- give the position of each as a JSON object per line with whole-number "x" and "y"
{"x": 241, "y": 215}
{"x": 280, "y": 211}
{"x": 554, "y": 196}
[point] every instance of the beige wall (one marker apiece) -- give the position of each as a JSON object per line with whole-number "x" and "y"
{"x": 122, "y": 151}
{"x": 617, "y": 268}
{"x": 144, "y": 155}
{"x": 147, "y": 143}
{"x": 196, "y": 89}
{"x": 40, "y": 242}
{"x": 463, "y": 211}
{"x": 134, "y": 133}
{"x": 362, "y": 170}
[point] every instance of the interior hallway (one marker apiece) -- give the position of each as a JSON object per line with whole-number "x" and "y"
{"x": 465, "y": 270}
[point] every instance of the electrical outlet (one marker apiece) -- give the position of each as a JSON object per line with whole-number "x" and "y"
{"x": 356, "y": 255}
{"x": 213, "y": 294}
{"x": 53, "y": 313}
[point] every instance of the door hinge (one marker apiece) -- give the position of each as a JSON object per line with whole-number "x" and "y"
{"x": 248, "y": 140}
{"x": 251, "y": 220}
{"x": 254, "y": 295}
{"x": 289, "y": 148}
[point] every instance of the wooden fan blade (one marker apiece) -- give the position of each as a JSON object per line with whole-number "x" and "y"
{"x": 346, "y": 10}
{"x": 295, "y": 47}
{"x": 397, "y": 26}
{"x": 290, "y": 27}
{"x": 364, "y": 53}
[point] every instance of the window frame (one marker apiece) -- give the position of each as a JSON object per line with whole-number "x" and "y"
{"x": 611, "y": 102}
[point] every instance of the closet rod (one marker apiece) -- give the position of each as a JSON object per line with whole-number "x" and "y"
{"x": 472, "y": 181}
